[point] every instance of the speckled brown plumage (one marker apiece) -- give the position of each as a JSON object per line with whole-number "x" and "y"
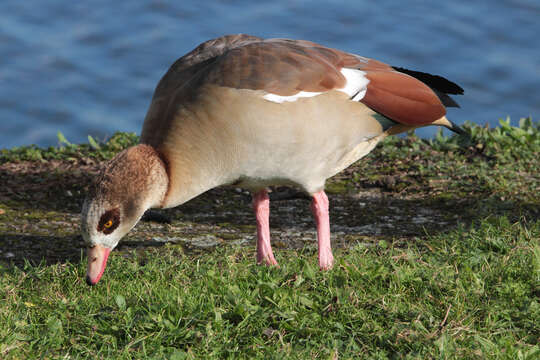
{"x": 129, "y": 173}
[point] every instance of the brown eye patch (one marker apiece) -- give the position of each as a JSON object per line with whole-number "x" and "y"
{"x": 109, "y": 221}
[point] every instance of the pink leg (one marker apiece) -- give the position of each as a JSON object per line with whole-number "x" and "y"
{"x": 319, "y": 206}
{"x": 261, "y": 207}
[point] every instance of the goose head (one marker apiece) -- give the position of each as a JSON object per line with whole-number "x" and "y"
{"x": 129, "y": 184}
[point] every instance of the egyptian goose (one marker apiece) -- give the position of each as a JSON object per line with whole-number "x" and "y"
{"x": 253, "y": 112}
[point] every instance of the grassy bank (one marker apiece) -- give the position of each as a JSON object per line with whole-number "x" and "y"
{"x": 437, "y": 248}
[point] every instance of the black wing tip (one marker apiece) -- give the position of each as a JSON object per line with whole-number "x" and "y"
{"x": 446, "y": 99}
{"x": 458, "y": 129}
{"x": 435, "y": 82}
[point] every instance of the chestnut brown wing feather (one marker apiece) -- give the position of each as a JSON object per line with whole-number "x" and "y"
{"x": 402, "y": 98}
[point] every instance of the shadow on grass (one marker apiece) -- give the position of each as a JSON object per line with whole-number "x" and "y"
{"x": 16, "y": 250}
{"x": 49, "y": 186}
{"x": 60, "y": 186}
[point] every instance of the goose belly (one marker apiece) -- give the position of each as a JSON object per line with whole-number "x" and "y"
{"x": 298, "y": 143}
{"x": 301, "y": 169}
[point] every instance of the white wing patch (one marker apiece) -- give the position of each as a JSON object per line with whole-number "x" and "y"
{"x": 356, "y": 85}
{"x": 279, "y": 99}
{"x": 355, "y": 88}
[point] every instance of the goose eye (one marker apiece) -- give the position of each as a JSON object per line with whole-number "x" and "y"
{"x": 109, "y": 221}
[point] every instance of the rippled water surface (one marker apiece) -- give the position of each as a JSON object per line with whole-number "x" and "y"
{"x": 90, "y": 67}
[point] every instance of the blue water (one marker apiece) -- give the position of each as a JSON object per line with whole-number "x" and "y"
{"x": 90, "y": 67}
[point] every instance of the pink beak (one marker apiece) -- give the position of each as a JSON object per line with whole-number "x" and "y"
{"x": 97, "y": 260}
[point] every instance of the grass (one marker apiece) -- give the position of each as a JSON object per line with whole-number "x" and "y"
{"x": 471, "y": 293}
{"x": 451, "y": 268}
{"x": 69, "y": 151}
